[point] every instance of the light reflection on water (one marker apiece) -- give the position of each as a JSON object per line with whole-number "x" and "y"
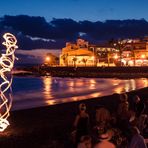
{"x": 32, "y": 92}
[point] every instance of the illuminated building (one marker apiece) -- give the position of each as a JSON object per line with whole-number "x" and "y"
{"x": 77, "y": 55}
{"x": 136, "y": 53}
{"x": 104, "y": 54}
{"x": 121, "y": 53}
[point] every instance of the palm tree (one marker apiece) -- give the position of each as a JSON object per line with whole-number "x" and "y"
{"x": 84, "y": 61}
{"x": 74, "y": 60}
{"x": 108, "y": 58}
{"x": 65, "y": 59}
{"x": 120, "y": 46}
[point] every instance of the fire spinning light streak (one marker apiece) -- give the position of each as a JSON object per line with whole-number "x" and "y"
{"x": 6, "y": 65}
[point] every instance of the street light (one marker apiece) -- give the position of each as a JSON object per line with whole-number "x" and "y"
{"x": 47, "y": 59}
{"x": 143, "y": 56}
{"x": 116, "y": 56}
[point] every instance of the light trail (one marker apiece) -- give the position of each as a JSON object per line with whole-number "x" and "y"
{"x": 6, "y": 65}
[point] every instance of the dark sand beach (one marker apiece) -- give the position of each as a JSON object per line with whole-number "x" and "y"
{"x": 50, "y": 126}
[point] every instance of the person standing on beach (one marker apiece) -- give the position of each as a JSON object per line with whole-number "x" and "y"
{"x": 81, "y": 123}
{"x": 138, "y": 106}
{"x": 125, "y": 116}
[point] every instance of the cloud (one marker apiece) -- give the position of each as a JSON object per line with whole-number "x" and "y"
{"x": 35, "y": 32}
{"x": 42, "y": 39}
{"x": 34, "y": 56}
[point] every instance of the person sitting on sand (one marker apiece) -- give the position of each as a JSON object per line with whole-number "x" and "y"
{"x": 81, "y": 122}
{"x": 124, "y": 119}
{"x": 137, "y": 105}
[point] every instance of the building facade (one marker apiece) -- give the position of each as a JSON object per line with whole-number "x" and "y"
{"x": 77, "y": 54}
{"x": 123, "y": 53}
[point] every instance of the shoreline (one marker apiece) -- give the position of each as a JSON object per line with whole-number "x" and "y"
{"x": 51, "y": 125}
{"x": 87, "y": 72}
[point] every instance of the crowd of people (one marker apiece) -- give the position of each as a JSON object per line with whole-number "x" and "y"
{"x": 126, "y": 127}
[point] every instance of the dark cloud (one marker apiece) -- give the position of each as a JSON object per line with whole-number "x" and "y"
{"x": 27, "y": 43}
{"x": 65, "y": 28}
{"x": 27, "y": 59}
{"x": 61, "y": 30}
{"x": 34, "y": 26}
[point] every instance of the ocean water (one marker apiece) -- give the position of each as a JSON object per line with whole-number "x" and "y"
{"x": 30, "y": 92}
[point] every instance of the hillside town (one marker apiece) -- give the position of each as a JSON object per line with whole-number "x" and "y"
{"x": 129, "y": 52}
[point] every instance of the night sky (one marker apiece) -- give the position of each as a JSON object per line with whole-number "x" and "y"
{"x": 55, "y": 22}
{"x": 77, "y": 9}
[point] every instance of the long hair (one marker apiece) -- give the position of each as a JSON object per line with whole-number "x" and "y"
{"x": 102, "y": 114}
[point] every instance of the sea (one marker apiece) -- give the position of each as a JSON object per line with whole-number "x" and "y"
{"x": 31, "y": 92}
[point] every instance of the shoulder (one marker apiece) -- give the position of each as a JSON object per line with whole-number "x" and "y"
{"x": 137, "y": 139}
{"x": 105, "y": 145}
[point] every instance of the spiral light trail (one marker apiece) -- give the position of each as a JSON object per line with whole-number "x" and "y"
{"x": 6, "y": 65}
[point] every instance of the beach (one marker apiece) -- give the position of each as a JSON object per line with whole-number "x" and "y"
{"x": 50, "y": 126}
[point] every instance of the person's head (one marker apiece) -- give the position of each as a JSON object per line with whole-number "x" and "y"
{"x": 82, "y": 107}
{"x": 125, "y": 106}
{"x": 136, "y": 99}
{"x": 123, "y": 97}
{"x": 102, "y": 114}
{"x": 105, "y": 135}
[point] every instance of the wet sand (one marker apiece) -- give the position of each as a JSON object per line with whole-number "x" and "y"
{"x": 50, "y": 126}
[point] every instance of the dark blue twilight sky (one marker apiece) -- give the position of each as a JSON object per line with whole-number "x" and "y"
{"x": 92, "y": 10}
{"x": 50, "y": 34}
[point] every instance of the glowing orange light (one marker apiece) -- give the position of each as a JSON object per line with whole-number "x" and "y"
{"x": 116, "y": 56}
{"x": 6, "y": 65}
{"x": 47, "y": 59}
{"x": 93, "y": 57}
{"x": 142, "y": 56}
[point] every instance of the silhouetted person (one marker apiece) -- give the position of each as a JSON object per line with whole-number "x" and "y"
{"x": 137, "y": 106}
{"x": 124, "y": 118}
{"x": 103, "y": 119}
{"x": 81, "y": 122}
{"x": 137, "y": 140}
